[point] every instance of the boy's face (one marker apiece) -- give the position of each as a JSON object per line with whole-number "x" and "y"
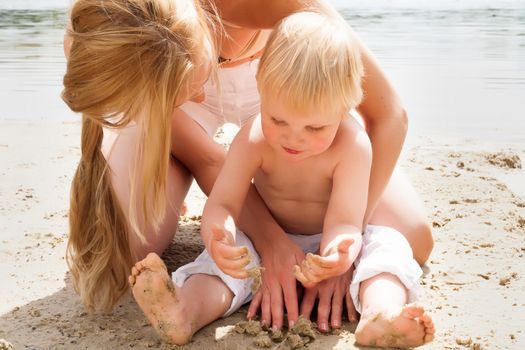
{"x": 296, "y": 135}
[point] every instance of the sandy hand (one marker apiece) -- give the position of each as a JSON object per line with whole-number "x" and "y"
{"x": 231, "y": 259}
{"x": 316, "y": 268}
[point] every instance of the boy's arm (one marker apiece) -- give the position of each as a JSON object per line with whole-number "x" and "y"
{"x": 225, "y": 203}
{"x": 341, "y": 239}
{"x": 348, "y": 200}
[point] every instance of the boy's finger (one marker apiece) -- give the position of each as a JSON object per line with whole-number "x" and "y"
{"x": 299, "y": 275}
{"x": 231, "y": 252}
{"x": 240, "y": 274}
{"x": 318, "y": 263}
{"x": 309, "y": 273}
{"x": 343, "y": 246}
{"x": 237, "y": 264}
{"x": 331, "y": 261}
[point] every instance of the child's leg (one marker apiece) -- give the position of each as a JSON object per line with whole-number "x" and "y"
{"x": 386, "y": 318}
{"x": 177, "y": 313}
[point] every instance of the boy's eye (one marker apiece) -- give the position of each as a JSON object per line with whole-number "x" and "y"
{"x": 315, "y": 129}
{"x": 278, "y": 122}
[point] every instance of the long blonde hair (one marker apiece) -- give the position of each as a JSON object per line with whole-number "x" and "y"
{"x": 128, "y": 61}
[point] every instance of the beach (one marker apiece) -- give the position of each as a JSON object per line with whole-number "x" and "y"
{"x": 459, "y": 68}
{"x": 473, "y": 284}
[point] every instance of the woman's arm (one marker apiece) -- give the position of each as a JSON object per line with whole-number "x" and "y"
{"x": 204, "y": 158}
{"x": 265, "y": 14}
{"x": 386, "y": 123}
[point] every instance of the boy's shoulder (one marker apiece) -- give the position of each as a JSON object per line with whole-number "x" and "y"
{"x": 250, "y": 134}
{"x": 352, "y": 137}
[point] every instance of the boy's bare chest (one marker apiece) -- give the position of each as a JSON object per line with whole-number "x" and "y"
{"x": 301, "y": 181}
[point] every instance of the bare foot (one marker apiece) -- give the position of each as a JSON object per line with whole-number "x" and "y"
{"x": 406, "y": 327}
{"x": 160, "y": 300}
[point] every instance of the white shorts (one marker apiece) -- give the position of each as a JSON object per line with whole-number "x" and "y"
{"x": 236, "y": 99}
{"x": 384, "y": 250}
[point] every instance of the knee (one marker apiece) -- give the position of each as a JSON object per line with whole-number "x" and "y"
{"x": 423, "y": 244}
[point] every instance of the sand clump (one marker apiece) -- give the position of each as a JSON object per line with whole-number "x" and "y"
{"x": 301, "y": 334}
{"x": 263, "y": 340}
{"x": 256, "y": 273}
{"x": 504, "y": 160}
{"x": 5, "y": 345}
{"x": 250, "y": 327}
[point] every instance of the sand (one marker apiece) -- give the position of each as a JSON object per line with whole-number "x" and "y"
{"x": 473, "y": 284}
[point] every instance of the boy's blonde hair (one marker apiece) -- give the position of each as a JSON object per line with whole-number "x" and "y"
{"x": 311, "y": 61}
{"x": 128, "y": 61}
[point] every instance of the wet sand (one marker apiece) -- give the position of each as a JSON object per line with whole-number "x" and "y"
{"x": 473, "y": 285}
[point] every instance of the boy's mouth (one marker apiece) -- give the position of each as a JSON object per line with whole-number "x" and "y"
{"x": 291, "y": 151}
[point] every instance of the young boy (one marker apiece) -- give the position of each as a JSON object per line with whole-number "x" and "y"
{"x": 310, "y": 163}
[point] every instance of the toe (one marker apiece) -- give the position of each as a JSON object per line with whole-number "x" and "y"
{"x": 154, "y": 262}
{"x": 413, "y": 310}
{"x": 139, "y": 267}
{"x": 428, "y": 338}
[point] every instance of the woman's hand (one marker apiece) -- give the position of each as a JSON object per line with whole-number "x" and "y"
{"x": 331, "y": 293}
{"x": 278, "y": 259}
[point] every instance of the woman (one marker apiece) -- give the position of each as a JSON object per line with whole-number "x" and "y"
{"x": 141, "y": 69}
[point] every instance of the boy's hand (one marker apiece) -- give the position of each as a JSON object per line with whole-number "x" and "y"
{"x": 315, "y": 268}
{"x": 230, "y": 259}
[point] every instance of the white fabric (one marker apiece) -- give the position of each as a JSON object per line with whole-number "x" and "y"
{"x": 237, "y": 101}
{"x": 384, "y": 250}
{"x": 204, "y": 264}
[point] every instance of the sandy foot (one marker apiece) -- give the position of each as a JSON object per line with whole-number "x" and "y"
{"x": 160, "y": 300}
{"x": 407, "y": 327}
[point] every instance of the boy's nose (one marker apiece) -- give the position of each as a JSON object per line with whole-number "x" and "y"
{"x": 295, "y": 138}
